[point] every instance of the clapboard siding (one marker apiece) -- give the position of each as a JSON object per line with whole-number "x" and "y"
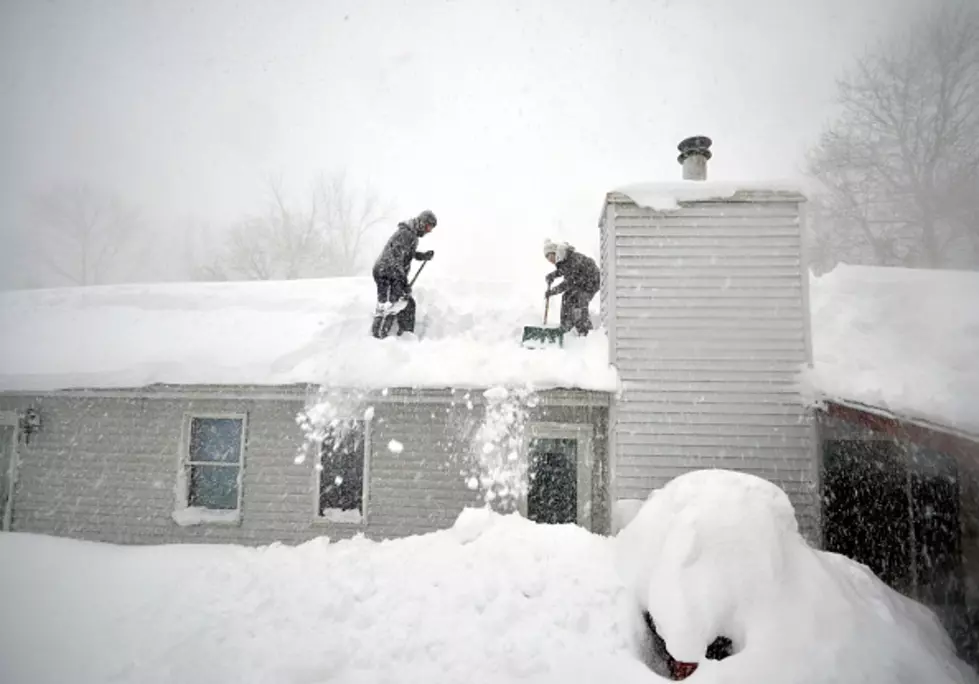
{"x": 606, "y": 259}
{"x": 710, "y": 333}
{"x": 105, "y": 468}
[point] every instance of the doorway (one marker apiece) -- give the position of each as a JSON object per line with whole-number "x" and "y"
{"x": 559, "y": 464}
{"x": 895, "y": 508}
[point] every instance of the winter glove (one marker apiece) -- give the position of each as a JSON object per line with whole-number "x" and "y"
{"x": 427, "y": 256}
{"x": 550, "y": 293}
{"x": 550, "y": 278}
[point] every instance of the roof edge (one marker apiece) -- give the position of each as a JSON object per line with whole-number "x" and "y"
{"x": 842, "y": 408}
{"x": 549, "y": 396}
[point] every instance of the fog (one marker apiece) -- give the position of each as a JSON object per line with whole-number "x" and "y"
{"x": 510, "y": 120}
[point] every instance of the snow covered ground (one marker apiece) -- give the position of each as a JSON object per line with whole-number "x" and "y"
{"x": 267, "y": 333}
{"x": 494, "y": 599}
{"x": 904, "y": 340}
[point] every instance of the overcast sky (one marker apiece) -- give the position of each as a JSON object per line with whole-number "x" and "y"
{"x": 503, "y": 117}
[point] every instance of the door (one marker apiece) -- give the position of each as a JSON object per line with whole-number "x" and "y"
{"x": 552, "y": 493}
{"x": 8, "y": 468}
{"x": 936, "y": 524}
{"x": 559, "y": 474}
{"x": 866, "y": 508}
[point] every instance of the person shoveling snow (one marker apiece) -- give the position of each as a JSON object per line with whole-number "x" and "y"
{"x": 394, "y": 300}
{"x": 582, "y": 280}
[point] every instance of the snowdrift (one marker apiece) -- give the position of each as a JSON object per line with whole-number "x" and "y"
{"x": 718, "y": 553}
{"x": 284, "y": 332}
{"x": 904, "y": 340}
{"x": 492, "y": 599}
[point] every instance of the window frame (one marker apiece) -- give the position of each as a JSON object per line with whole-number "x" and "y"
{"x": 584, "y": 435}
{"x": 340, "y": 518}
{"x": 10, "y": 419}
{"x": 185, "y": 514}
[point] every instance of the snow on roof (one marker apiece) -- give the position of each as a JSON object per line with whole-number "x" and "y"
{"x": 279, "y": 333}
{"x": 668, "y": 196}
{"x": 903, "y": 340}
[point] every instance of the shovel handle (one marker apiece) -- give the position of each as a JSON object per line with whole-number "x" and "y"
{"x": 418, "y": 273}
{"x": 547, "y": 303}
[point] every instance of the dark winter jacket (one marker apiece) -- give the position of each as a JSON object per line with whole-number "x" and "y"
{"x": 395, "y": 258}
{"x": 579, "y": 272}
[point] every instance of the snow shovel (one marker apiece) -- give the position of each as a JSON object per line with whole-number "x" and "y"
{"x": 537, "y": 337}
{"x": 381, "y": 325}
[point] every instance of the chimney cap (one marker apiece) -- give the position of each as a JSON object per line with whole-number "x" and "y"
{"x": 697, "y": 144}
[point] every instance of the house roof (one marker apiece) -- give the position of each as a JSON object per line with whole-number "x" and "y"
{"x": 668, "y": 196}
{"x": 902, "y": 340}
{"x": 279, "y": 333}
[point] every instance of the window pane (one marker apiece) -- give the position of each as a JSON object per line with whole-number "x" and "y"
{"x": 342, "y": 476}
{"x": 214, "y": 487}
{"x": 215, "y": 439}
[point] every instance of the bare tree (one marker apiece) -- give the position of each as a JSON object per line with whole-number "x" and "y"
{"x": 85, "y": 236}
{"x": 900, "y": 166}
{"x": 323, "y": 237}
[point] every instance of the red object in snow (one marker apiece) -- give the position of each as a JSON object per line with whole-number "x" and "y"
{"x": 680, "y": 670}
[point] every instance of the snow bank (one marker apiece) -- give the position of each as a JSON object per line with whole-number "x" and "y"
{"x": 272, "y": 333}
{"x": 668, "y": 196}
{"x": 494, "y": 598}
{"x": 904, "y": 340}
{"x": 718, "y": 553}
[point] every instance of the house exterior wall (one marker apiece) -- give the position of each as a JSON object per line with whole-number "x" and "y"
{"x": 955, "y": 597}
{"x": 708, "y": 328}
{"x": 104, "y": 467}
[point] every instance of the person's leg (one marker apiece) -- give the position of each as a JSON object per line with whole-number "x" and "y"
{"x": 567, "y": 322}
{"x": 382, "y": 294}
{"x": 582, "y": 319}
{"x": 382, "y": 288}
{"x": 398, "y": 288}
{"x": 406, "y": 317}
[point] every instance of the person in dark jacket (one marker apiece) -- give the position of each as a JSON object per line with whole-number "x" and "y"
{"x": 582, "y": 280}
{"x": 394, "y": 300}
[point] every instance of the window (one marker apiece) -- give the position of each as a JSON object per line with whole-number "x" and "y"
{"x": 342, "y": 473}
{"x": 209, "y": 483}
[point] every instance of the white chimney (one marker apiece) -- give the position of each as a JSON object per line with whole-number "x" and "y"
{"x": 694, "y": 153}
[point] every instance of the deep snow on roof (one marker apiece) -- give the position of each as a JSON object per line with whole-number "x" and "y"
{"x": 286, "y": 332}
{"x": 903, "y": 340}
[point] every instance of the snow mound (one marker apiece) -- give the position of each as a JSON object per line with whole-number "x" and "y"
{"x": 903, "y": 340}
{"x": 281, "y": 333}
{"x": 495, "y": 599}
{"x": 718, "y": 553}
{"x": 492, "y": 599}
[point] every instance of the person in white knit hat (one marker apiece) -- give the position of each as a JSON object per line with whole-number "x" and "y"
{"x": 581, "y": 281}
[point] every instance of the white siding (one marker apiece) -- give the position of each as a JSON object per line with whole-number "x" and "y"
{"x": 709, "y": 328}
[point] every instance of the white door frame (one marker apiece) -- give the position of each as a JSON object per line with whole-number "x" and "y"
{"x": 10, "y": 419}
{"x": 584, "y": 435}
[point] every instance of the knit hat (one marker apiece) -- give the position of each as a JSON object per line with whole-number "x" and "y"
{"x": 560, "y": 250}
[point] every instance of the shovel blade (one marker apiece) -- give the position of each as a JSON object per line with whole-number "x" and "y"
{"x": 537, "y": 337}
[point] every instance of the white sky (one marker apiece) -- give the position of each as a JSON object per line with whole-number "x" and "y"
{"x": 504, "y": 117}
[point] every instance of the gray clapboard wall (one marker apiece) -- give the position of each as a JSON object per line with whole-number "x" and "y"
{"x": 707, "y": 312}
{"x": 104, "y": 464}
